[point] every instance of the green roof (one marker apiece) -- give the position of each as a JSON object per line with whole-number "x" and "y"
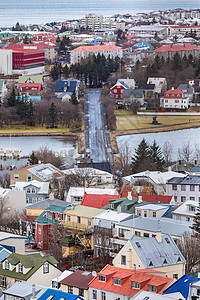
{"x": 31, "y": 261}
{"x": 36, "y": 79}
{"x": 127, "y": 206}
{"x": 84, "y": 211}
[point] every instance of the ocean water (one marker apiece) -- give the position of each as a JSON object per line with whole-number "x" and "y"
{"x": 43, "y": 11}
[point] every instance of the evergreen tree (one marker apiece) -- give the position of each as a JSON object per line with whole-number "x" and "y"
{"x": 26, "y": 39}
{"x": 33, "y": 160}
{"x": 73, "y": 99}
{"x": 66, "y": 71}
{"x": 196, "y": 220}
{"x": 52, "y": 115}
{"x": 12, "y": 98}
{"x": 30, "y": 114}
{"x": 176, "y": 63}
{"x": 54, "y": 72}
{"x": 157, "y": 157}
{"x": 141, "y": 158}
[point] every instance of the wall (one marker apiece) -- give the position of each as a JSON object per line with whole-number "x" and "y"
{"x": 6, "y": 62}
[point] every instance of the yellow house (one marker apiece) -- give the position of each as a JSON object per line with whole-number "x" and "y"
{"x": 158, "y": 253}
{"x": 79, "y": 222}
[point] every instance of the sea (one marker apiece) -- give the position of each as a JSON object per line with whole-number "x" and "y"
{"x": 43, "y": 11}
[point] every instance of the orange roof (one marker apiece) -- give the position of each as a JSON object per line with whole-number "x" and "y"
{"x": 160, "y": 282}
{"x": 96, "y": 48}
{"x": 178, "y": 47}
{"x": 152, "y": 198}
{"x": 97, "y": 201}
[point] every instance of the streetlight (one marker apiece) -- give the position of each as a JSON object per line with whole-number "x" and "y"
{"x": 72, "y": 259}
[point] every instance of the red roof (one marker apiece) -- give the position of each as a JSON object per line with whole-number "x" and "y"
{"x": 173, "y": 93}
{"x": 152, "y": 198}
{"x": 176, "y": 48}
{"x": 96, "y": 48}
{"x": 128, "y": 276}
{"x": 97, "y": 201}
{"x": 31, "y": 85}
{"x": 79, "y": 279}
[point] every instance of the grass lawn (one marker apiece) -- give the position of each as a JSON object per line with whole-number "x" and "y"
{"x": 30, "y": 129}
{"x": 125, "y": 122}
{"x": 123, "y": 112}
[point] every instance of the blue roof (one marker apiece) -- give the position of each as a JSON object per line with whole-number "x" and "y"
{"x": 58, "y": 295}
{"x": 142, "y": 45}
{"x": 189, "y": 179}
{"x": 67, "y": 86}
{"x": 4, "y": 253}
{"x": 181, "y": 285}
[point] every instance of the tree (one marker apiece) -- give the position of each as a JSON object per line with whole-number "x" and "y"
{"x": 45, "y": 155}
{"x": 73, "y": 99}
{"x": 189, "y": 245}
{"x": 176, "y": 62}
{"x": 157, "y": 156}
{"x": 33, "y": 160}
{"x": 12, "y": 98}
{"x": 52, "y": 115}
{"x": 167, "y": 152}
{"x": 141, "y": 158}
{"x": 185, "y": 153}
{"x": 196, "y": 220}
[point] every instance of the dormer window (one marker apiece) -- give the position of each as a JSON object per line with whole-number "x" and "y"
{"x": 20, "y": 268}
{"x": 150, "y": 264}
{"x": 117, "y": 281}
{"x": 102, "y": 278}
{"x": 28, "y": 191}
{"x": 135, "y": 285}
{"x": 152, "y": 288}
{"x": 112, "y": 206}
{"x": 179, "y": 259}
{"x": 46, "y": 267}
{"x": 7, "y": 265}
{"x": 165, "y": 262}
{"x": 167, "y": 95}
{"x": 178, "y": 95}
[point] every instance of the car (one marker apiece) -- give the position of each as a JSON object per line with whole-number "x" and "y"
{"x": 75, "y": 268}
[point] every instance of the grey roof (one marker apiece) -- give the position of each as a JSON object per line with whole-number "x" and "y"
{"x": 46, "y": 203}
{"x": 146, "y": 86}
{"x": 165, "y": 225}
{"x": 138, "y": 93}
{"x": 127, "y": 93}
{"x": 45, "y": 171}
{"x": 195, "y": 169}
{"x": 24, "y": 290}
{"x": 185, "y": 87}
{"x": 189, "y": 179}
{"x": 164, "y": 253}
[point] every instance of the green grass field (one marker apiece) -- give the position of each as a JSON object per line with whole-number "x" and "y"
{"x": 30, "y": 129}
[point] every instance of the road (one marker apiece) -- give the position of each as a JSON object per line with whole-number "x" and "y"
{"x": 97, "y": 139}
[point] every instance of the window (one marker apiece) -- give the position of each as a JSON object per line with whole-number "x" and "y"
{"x": 28, "y": 191}
{"x": 16, "y": 176}
{"x": 191, "y": 208}
{"x": 154, "y": 214}
{"x": 112, "y": 206}
{"x": 33, "y": 191}
{"x": 89, "y": 222}
{"x": 40, "y": 199}
{"x": 20, "y": 268}
{"x": 150, "y": 263}
{"x": 123, "y": 260}
{"x": 135, "y": 285}
{"x": 192, "y": 198}
{"x": 187, "y": 219}
{"x": 175, "y": 276}
{"x": 183, "y": 187}
{"x": 34, "y": 199}
{"x": 70, "y": 289}
{"x": 152, "y": 288}
{"x": 50, "y": 297}
{"x": 68, "y": 218}
{"x": 3, "y": 281}
{"x": 39, "y": 231}
{"x": 117, "y": 281}
{"x": 46, "y": 267}
{"x": 102, "y": 278}
{"x": 146, "y": 234}
{"x": 78, "y": 220}
{"x": 192, "y": 188}
{"x": 103, "y": 296}
{"x": 81, "y": 292}
{"x": 145, "y": 213}
{"x": 94, "y": 294}
{"x": 199, "y": 188}
{"x": 27, "y": 199}
{"x": 174, "y": 187}
{"x": 29, "y": 178}
{"x": 7, "y": 265}
{"x": 183, "y": 198}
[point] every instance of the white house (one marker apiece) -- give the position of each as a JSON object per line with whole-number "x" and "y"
{"x": 160, "y": 84}
{"x": 185, "y": 211}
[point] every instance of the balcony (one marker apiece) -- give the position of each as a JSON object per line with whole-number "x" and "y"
{"x": 77, "y": 226}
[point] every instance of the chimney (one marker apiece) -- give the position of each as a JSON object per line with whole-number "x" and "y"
{"x": 139, "y": 199}
{"x": 33, "y": 291}
{"x": 169, "y": 169}
{"x": 51, "y": 196}
{"x": 119, "y": 209}
{"x": 159, "y": 237}
{"x": 172, "y": 88}
{"x": 129, "y": 196}
{"x": 68, "y": 83}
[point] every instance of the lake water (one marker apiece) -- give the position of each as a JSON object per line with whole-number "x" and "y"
{"x": 70, "y": 145}
{"x": 43, "y": 11}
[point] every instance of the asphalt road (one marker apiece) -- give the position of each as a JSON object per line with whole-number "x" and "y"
{"x": 97, "y": 139}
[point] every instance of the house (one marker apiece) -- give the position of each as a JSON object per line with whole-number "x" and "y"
{"x": 159, "y": 253}
{"x": 75, "y": 194}
{"x": 55, "y": 283}
{"x": 118, "y": 283}
{"x": 67, "y": 87}
{"x": 168, "y": 51}
{"x": 182, "y": 285}
{"x": 32, "y": 268}
{"x": 130, "y": 82}
{"x": 35, "y": 190}
{"x": 185, "y": 211}
{"x": 116, "y": 90}
{"x": 188, "y": 90}
{"x": 155, "y": 178}
{"x": 77, "y": 283}
{"x": 160, "y": 84}
{"x": 97, "y": 201}
{"x": 13, "y": 242}
{"x": 194, "y": 171}
{"x": 40, "y": 172}
{"x": 58, "y": 295}
{"x": 130, "y": 96}
{"x": 83, "y": 52}
{"x": 184, "y": 188}
{"x": 174, "y": 99}
{"x": 153, "y": 210}
{"x": 152, "y": 296}
{"x": 194, "y": 290}
{"x": 23, "y": 290}
{"x": 5, "y": 252}
{"x": 149, "y": 90}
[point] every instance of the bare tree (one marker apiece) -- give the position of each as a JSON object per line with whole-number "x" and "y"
{"x": 45, "y": 155}
{"x": 185, "y": 152}
{"x": 189, "y": 246}
{"x": 167, "y": 152}
{"x": 197, "y": 152}
{"x": 103, "y": 244}
{"x": 4, "y": 206}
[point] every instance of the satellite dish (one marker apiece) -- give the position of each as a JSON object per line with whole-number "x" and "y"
{"x": 94, "y": 273}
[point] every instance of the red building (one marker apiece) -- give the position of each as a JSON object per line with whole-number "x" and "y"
{"x": 117, "y": 90}
{"x": 28, "y": 58}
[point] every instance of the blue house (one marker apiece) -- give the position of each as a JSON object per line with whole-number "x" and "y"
{"x": 58, "y": 295}
{"x": 181, "y": 285}
{"x": 67, "y": 86}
